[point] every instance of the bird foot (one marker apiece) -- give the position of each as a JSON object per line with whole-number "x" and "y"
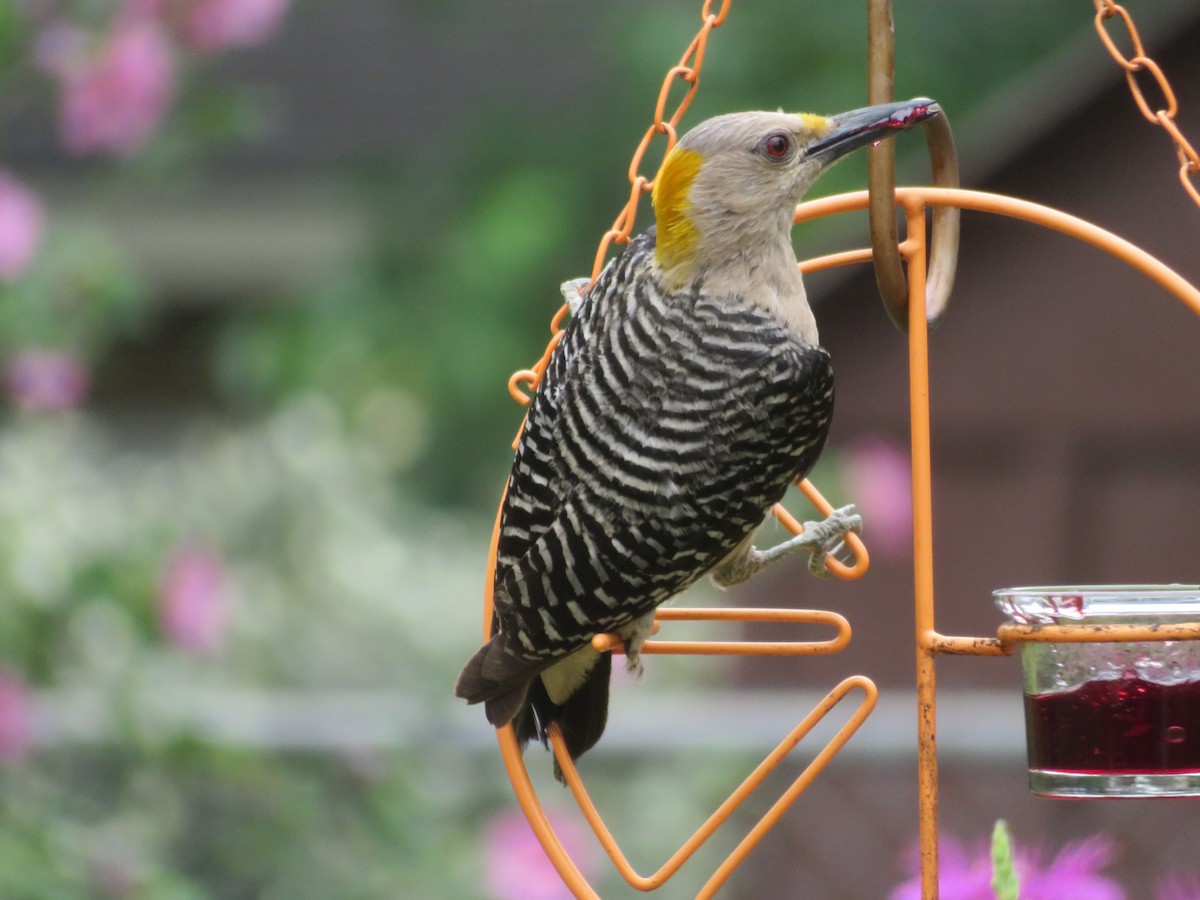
{"x": 827, "y": 538}
{"x": 573, "y": 292}
{"x": 820, "y": 539}
{"x": 634, "y": 636}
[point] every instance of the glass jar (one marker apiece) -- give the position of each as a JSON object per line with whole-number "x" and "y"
{"x": 1110, "y": 718}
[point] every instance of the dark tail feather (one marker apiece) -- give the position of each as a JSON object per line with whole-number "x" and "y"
{"x": 582, "y": 717}
{"x": 585, "y": 713}
{"x": 498, "y": 679}
{"x": 503, "y": 709}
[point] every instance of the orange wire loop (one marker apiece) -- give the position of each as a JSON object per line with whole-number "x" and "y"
{"x": 609, "y": 641}
{"x": 835, "y": 566}
{"x": 1106, "y": 10}
{"x": 735, "y": 799}
{"x": 1146, "y": 64}
{"x": 717, "y": 19}
{"x": 686, "y": 74}
{"x": 641, "y": 183}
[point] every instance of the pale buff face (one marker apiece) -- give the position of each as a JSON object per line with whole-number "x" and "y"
{"x": 728, "y": 189}
{"x": 754, "y": 163}
{"x": 733, "y": 180}
{"x": 731, "y": 184}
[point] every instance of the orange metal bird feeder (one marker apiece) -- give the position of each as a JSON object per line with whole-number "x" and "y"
{"x": 915, "y": 285}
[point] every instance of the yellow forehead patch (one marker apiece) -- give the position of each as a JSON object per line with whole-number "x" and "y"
{"x": 677, "y": 234}
{"x": 817, "y": 124}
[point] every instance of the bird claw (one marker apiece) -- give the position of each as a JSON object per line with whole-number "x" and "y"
{"x": 634, "y": 636}
{"x": 573, "y": 292}
{"x": 828, "y": 538}
{"x": 820, "y": 539}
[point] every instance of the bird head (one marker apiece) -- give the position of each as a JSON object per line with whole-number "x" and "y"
{"x": 733, "y": 181}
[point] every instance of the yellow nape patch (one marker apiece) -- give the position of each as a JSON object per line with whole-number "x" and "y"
{"x": 818, "y": 124}
{"x": 677, "y": 234}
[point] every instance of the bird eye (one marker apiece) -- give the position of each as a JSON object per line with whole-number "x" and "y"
{"x": 777, "y": 145}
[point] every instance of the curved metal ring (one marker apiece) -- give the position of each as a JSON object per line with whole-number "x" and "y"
{"x": 881, "y": 169}
{"x": 943, "y": 260}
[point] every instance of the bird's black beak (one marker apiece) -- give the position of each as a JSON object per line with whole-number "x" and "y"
{"x": 851, "y": 130}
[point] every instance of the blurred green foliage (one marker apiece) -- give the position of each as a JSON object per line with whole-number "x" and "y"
{"x": 81, "y": 295}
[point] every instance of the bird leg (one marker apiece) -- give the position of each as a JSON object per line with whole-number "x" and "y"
{"x": 633, "y": 636}
{"x": 819, "y": 538}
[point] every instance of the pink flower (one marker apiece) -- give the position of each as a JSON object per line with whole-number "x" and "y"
{"x": 46, "y": 380}
{"x": 214, "y": 25}
{"x": 22, "y": 218}
{"x": 1074, "y": 874}
{"x": 192, "y": 607}
{"x": 962, "y": 875}
{"x": 878, "y": 478}
{"x": 114, "y": 98}
{"x": 16, "y": 719}
{"x": 517, "y": 868}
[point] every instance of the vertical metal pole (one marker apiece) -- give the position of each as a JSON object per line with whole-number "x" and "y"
{"x": 918, "y": 357}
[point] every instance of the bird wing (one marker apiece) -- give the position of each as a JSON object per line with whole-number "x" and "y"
{"x": 665, "y": 426}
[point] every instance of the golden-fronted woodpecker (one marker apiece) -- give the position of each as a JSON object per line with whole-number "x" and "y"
{"x": 688, "y": 392}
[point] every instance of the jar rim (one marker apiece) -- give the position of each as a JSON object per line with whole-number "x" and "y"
{"x": 1049, "y": 604}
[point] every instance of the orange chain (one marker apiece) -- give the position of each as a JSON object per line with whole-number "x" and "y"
{"x": 1189, "y": 160}
{"x": 522, "y": 384}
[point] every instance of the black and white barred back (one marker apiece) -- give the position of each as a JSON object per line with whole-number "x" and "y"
{"x": 665, "y": 427}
